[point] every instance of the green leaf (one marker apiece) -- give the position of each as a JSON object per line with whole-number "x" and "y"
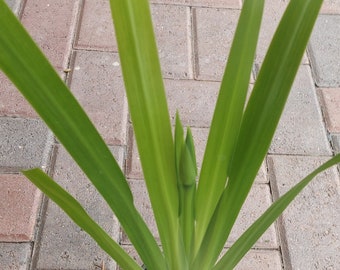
{"x": 77, "y": 213}
{"x": 190, "y": 145}
{"x": 188, "y": 173}
{"x": 227, "y": 117}
{"x": 254, "y": 232}
{"x": 261, "y": 118}
{"x": 179, "y": 143}
{"x": 22, "y": 61}
{"x": 188, "y": 166}
{"x": 186, "y": 177}
{"x": 150, "y": 119}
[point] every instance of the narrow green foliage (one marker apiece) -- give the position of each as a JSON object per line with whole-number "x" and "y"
{"x": 260, "y": 119}
{"x": 150, "y": 119}
{"x": 248, "y": 238}
{"x": 227, "y": 117}
{"x": 179, "y": 144}
{"x": 77, "y": 213}
{"x": 188, "y": 167}
{"x": 43, "y": 88}
{"x": 193, "y": 222}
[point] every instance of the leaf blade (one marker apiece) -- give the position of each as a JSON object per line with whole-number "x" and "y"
{"x": 227, "y": 116}
{"x": 43, "y": 88}
{"x": 254, "y": 232}
{"x": 188, "y": 173}
{"x": 150, "y": 119}
{"x": 77, "y": 213}
{"x": 261, "y": 116}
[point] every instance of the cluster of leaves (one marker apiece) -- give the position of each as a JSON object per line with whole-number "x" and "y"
{"x": 193, "y": 220}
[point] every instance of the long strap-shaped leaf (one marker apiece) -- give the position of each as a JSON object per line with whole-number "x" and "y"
{"x": 29, "y": 70}
{"x": 227, "y": 116}
{"x": 249, "y": 237}
{"x": 77, "y": 213}
{"x": 150, "y": 118}
{"x": 261, "y": 118}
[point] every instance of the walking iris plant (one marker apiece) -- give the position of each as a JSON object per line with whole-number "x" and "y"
{"x": 194, "y": 222}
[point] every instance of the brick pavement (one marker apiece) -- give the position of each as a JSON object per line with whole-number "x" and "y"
{"x": 194, "y": 38}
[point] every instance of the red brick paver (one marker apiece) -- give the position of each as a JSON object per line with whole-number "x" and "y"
{"x": 20, "y": 202}
{"x": 51, "y": 24}
{"x": 12, "y": 103}
{"x": 331, "y": 107}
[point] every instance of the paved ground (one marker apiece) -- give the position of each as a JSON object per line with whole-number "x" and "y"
{"x": 194, "y": 38}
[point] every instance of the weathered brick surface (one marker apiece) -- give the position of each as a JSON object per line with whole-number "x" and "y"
{"x": 311, "y": 222}
{"x": 330, "y": 7}
{"x": 15, "y": 5}
{"x": 99, "y": 35}
{"x": 12, "y": 103}
{"x": 96, "y": 84}
{"x": 63, "y": 244}
{"x": 330, "y": 102}
{"x": 23, "y": 144}
{"x": 324, "y": 51}
{"x": 259, "y": 199}
{"x": 11, "y": 3}
{"x": 194, "y": 100}
{"x": 20, "y": 202}
{"x": 335, "y": 139}
{"x": 336, "y": 143}
{"x": 273, "y": 12}
{"x": 236, "y": 4}
{"x": 173, "y": 31}
{"x": 143, "y": 205}
{"x": 301, "y": 129}
{"x": 15, "y": 256}
{"x": 254, "y": 259}
{"x": 261, "y": 259}
{"x": 50, "y": 23}
{"x": 213, "y": 32}
{"x": 172, "y": 26}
